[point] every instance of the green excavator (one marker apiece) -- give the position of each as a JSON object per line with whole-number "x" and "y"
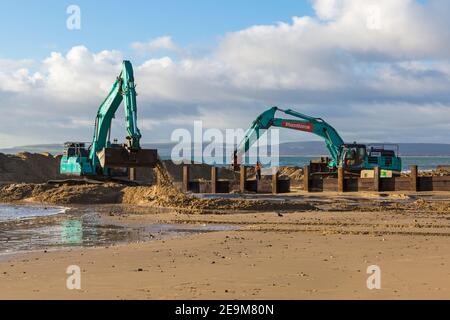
{"x": 102, "y": 156}
{"x": 352, "y": 157}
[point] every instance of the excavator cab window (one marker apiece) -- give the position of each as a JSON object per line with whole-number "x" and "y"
{"x": 75, "y": 150}
{"x": 353, "y": 156}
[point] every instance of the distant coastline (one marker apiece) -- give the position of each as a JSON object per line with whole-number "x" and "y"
{"x": 287, "y": 149}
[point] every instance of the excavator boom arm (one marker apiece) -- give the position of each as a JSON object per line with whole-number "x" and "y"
{"x": 122, "y": 90}
{"x": 103, "y": 156}
{"x": 304, "y": 123}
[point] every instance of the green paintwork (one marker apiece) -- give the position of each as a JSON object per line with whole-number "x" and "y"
{"x": 334, "y": 143}
{"x": 80, "y": 163}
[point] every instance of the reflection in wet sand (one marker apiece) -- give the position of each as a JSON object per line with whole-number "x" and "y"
{"x": 78, "y": 228}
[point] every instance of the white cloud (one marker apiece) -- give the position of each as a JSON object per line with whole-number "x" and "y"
{"x": 336, "y": 65}
{"x": 328, "y": 9}
{"x": 160, "y": 43}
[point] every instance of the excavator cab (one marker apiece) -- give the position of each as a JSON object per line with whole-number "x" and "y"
{"x": 75, "y": 160}
{"x": 384, "y": 156}
{"x": 357, "y": 157}
{"x": 353, "y": 157}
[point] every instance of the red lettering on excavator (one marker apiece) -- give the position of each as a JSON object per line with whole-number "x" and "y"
{"x": 308, "y": 127}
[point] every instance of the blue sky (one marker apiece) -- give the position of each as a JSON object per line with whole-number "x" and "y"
{"x": 377, "y": 70}
{"x": 30, "y": 29}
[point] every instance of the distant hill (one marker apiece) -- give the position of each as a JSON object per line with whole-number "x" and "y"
{"x": 54, "y": 149}
{"x": 317, "y": 148}
{"x": 311, "y": 148}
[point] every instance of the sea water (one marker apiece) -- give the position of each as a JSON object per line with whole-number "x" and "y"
{"x": 424, "y": 162}
{"x": 17, "y": 212}
{"x": 34, "y": 228}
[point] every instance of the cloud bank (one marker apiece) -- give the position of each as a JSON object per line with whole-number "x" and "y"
{"x": 376, "y": 70}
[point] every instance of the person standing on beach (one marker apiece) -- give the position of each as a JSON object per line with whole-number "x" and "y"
{"x": 258, "y": 170}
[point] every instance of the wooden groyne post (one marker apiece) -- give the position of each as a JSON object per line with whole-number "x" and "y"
{"x": 186, "y": 178}
{"x": 414, "y": 178}
{"x": 275, "y": 176}
{"x": 341, "y": 180}
{"x": 306, "y": 176}
{"x": 376, "y": 179}
{"x": 243, "y": 179}
{"x": 214, "y": 178}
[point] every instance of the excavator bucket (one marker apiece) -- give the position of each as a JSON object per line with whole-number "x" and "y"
{"x": 122, "y": 158}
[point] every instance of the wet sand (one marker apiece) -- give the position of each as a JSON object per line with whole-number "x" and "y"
{"x": 273, "y": 255}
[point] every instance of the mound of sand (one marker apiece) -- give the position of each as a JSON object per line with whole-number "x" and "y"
{"x": 28, "y": 168}
{"x": 168, "y": 197}
{"x": 62, "y": 194}
{"x": 423, "y": 205}
{"x": 295, "y": 174}
{"x": 156, "y": 196}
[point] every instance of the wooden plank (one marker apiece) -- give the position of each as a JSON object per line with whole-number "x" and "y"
{"x": 441, "y": 179}
{"x": 351, "y": 184}
{"x": 425, "y": 183}
{"x": 330, "y": 185}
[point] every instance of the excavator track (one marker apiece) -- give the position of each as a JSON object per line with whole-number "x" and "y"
{"x": 99, "y": 180}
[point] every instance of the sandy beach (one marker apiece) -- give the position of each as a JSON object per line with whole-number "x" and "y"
{"x": 320, "y": 254}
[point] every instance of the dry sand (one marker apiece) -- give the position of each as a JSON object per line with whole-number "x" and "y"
{"x": 304, "y": 255}
{"x": 29, "y": 168}
{"x": 302, "y": 246}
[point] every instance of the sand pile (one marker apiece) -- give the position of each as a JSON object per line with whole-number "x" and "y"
{"x": 29, "y": 168}
{"x": 62, "y": 194}
{"x": 169, "y": 197}
{"x": 423, "y": 205}
{"x": 156, "y": 196}
{"x": 295, "y": 174}
{"x": 441, "y": 171}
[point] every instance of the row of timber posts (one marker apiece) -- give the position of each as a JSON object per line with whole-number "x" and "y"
{"x": 215, "y": 176}
{"x": 306, "y": 179}
{"x": 376, "y": 180}
{"x": 243, "y": 180}
{"x": 187, "y": 178}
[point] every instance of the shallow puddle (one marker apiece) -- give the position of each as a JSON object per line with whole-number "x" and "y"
{"x": 37, "y": 228}
{"x": 16, "y": 212}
